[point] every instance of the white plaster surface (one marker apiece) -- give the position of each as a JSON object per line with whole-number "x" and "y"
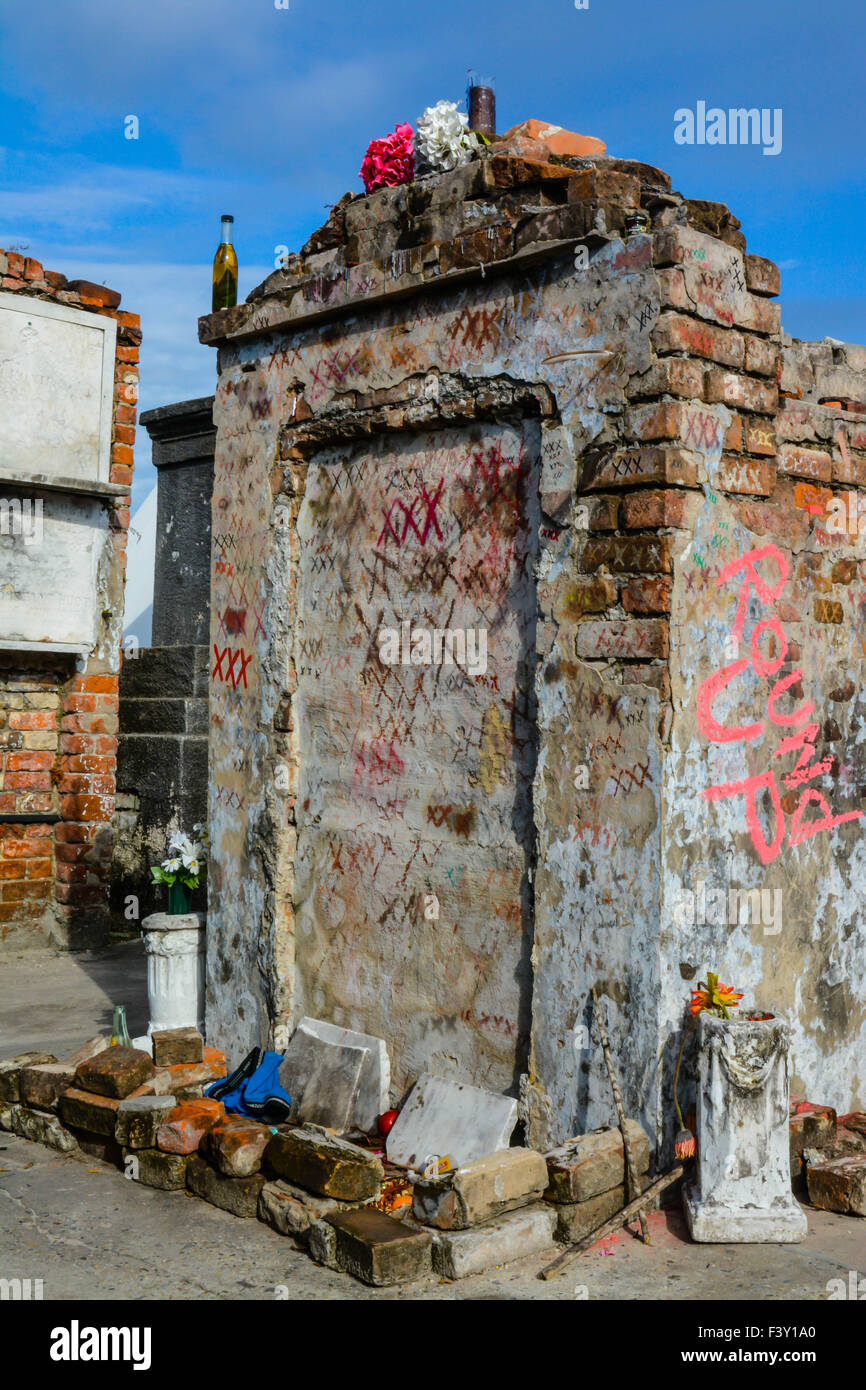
{"x": 56, "y": 389}
{"x": 447, "y": 1118}
{"x": 48, "y": 582}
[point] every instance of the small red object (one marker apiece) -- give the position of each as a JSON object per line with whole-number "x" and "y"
{"x": 386, "y": 1121}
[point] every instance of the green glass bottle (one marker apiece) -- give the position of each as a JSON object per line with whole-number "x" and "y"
{"x": 119, "y": 1032}
{"x": 225, "y": 269}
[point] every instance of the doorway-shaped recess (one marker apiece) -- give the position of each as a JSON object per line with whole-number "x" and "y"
{"x": 414, "y": 654}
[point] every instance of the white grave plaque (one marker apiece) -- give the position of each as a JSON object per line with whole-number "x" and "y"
{"x": 56, "y": 389}
{"x": 49, "y": 565}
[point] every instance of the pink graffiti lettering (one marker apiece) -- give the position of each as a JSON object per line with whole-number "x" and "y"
{"x": 802, "y": 742}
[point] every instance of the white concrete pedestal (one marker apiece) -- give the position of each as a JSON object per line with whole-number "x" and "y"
{"x": 743, "y": 1187}
{"x": 175, "y": 946}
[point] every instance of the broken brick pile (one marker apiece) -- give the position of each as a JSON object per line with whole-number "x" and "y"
{"x": 83, "y": 1101}
{"x": 58, "y": 729}
{"x": 343, "y": 1202}
{"x": 828, "y": 1157}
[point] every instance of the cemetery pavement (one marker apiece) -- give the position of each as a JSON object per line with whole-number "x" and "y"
{"x": 89, "y": 1233}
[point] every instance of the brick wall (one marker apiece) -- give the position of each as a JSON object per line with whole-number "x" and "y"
{"x": 59, "y": 725}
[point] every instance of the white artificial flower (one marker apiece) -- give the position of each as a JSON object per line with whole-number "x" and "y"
{"x": 192, "y": 856}
{"x": 172, "y": 866}
{"x": 442, "y": 140}
{"x": 192, "y": 865}
{"x": 180, "y": 843}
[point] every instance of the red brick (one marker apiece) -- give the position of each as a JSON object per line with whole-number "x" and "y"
{"x": 87, "y": 808}
{"x": 804, "y": 463}
{"x": 662, "y": 421}
{"x": 634, "y": 638}
{"x": 827, "y": 610}
{"x": 643, "y": 554}
{"x": 33, "y": 270}
{"x": 762, "y": 357}
{"x": 127, "y": 354}
{"x": 127, "y": 320}
{"x": 762, "y": 276}
{"x": 79, "y": 894}
{"x": 734, "y": 436}
{"x": 15, "y": 263}
{"x": 55, "y": 279}
{"x": 32, "y": 719}
{"x": 647, "y": 595}
{"x": 839, "y": 1185}
{"x": 759, "y": 437}
{"x": 94, "y": 685}
{"x": 27, "y": 781}
{"x": 756, "y": 477}
{"x": 71, "y": 873}
{"x": 95, "y": 294}
{"x": 89, "y": 723}
{"x": 678, "y": 333}
{"x": 125, "y": 414}
{"x": 120, "y": 475}
{"x": 73, "y": 854}
{"x": 29, "y": 762}
{"x": 119, "y": 519}
{"x": 89, "y": 762}
{"x": 40, "y": 868}
{"x": 11, "y": 282}
{"x": 670, "y": 376}
{"x": 603, "y": 513}
{"x": 589, "y": 596}
{"x": 186, "y": 1126}
{"x": 741, "y": 392}
{"x": 33, "y": 803}
{"x": 123, "y": 434}
{"x": 122, "y": 453}
{"x": 67, "y": 833}
{"x": 14, "y": 868}
{"x": 79, "y": 704}
{"x": 844, "y": 571}
{"x": 22, "y": 892}
{"x": 82, "y": 783}
{"x": 667, "y": 507}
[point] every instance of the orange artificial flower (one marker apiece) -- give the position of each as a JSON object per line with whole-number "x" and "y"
{"x": 715, "y": 997}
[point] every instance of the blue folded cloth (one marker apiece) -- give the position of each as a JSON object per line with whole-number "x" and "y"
{"x": 254, "y": 1089}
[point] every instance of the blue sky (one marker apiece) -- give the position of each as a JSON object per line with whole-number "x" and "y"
{"x": 266, "y": 113}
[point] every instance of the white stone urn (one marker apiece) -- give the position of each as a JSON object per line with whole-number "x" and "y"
{"x": 175, "y": 946}
{"x": 743, "y": 1187}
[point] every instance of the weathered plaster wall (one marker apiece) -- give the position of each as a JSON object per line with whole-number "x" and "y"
{"x": 413, "y": 811}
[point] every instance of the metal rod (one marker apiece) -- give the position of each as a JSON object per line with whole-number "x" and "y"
{"x": 638, "y": 1205}
{"x": 632, "y": 1187}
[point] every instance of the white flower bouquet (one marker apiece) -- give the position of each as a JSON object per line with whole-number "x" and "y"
{"x": 443, "y": 140}
{"x": 185, "y": 866}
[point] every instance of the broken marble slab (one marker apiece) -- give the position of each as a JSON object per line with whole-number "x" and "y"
{"x": 375, "y": 1084}
{"x": 323, "y": 1079}
{"x": 444, "y": 1117}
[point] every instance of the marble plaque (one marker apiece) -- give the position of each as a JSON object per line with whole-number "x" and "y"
{"x": 50, "y": 546}
{"x": 56, "y": 389}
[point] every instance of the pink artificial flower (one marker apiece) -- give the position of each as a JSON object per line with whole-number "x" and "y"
{"x": 389, "y": 161}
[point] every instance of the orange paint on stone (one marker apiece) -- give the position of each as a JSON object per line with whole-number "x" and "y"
{"x": 186, "y": 1125}
{"x": 558, "y": 141}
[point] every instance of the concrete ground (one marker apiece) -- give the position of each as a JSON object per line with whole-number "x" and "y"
{"x": 89, "y": 1233}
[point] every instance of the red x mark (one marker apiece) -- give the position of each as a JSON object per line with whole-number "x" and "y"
{"x": 429, "y": 505}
